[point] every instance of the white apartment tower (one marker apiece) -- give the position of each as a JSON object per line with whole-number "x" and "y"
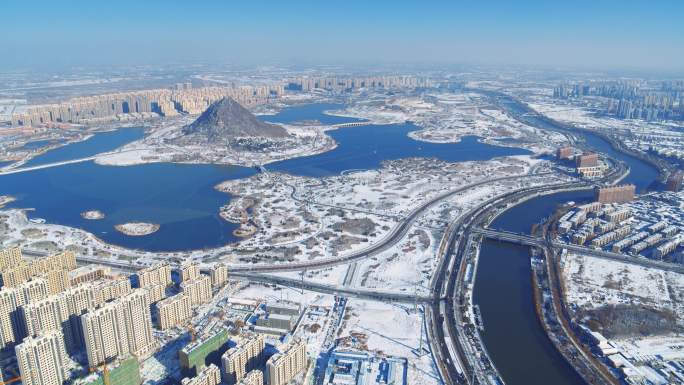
{"x": 283, "y": 367}
{"x": 42, "y": 360}
{"x": 117, "y": 328}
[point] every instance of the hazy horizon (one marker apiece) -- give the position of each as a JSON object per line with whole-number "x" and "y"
{"x": 591, "y": 35}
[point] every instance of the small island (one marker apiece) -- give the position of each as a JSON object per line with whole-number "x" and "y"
{"x": 137, "y": 229}
{"x": 92, "y": 215}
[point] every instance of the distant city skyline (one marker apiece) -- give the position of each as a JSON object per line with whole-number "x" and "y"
{"x": 603, "y": 35}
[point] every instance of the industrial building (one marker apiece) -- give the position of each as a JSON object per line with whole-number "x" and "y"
{"x": 347, "y": 367}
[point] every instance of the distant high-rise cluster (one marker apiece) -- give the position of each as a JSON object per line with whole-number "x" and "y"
{"x": 347, "y": 83}
{"x": 164, "y": 102}
{"x": 632, "y": 99}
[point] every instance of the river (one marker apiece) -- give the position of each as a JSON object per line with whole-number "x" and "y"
{"x": 513, "y": 335}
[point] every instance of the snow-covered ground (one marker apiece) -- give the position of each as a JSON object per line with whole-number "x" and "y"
{"x": 447, "y": 117}
{"x": 665, "y": 138}
{"x": 389, "y": 330}
{"x": 592, "y": 282}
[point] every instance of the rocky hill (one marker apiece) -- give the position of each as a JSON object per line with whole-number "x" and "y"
{"x": 226, "y": 119}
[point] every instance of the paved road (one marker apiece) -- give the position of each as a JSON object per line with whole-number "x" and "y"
{"x": 373, "y": 294}
{"x": 397, "y": 233}
{"x": 528, "y": 240}
{"x": 63, "y": 163}
{"x": 447, "y": 285}
{"x": 47, "y": 165}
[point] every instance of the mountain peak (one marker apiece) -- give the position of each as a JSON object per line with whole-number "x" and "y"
{"x": 227, "y": 119}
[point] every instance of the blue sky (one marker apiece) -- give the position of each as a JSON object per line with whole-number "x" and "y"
{"x": 591, "y": 34}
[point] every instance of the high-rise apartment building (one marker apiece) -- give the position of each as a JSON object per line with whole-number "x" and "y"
{"x": 282, "y": 367}
{"x": 189, "y": 271}
{"x": 44, "y": 316}
{"x": 564, "y": 152}
{"x": 155, "y": 293}
{"x": 247, "y": 355}
{"x": 10, "y": 257}
{"x": 57, "y": 280}
{"x": 42, "y": 360}
{"x": 674, "y": 181}
{"x": 615, "y": 194}
{"x": 173, "y": 311}
{"x": 59, "y": 312}
{"x": 164, "y": 102}
{"x": 219, "y": 275}
{"x": 198, "y": 289}
{"x": 587, "y": 160}
{"x": 22, "y": 272}
{"x": 255, "y": 377}
{"x": 159, "y": 274}
{"x": 11, "y": 299}
{"x": 209, "y": 375}
{"x": 112, "y": 288}
{"x": 117, "y": 328}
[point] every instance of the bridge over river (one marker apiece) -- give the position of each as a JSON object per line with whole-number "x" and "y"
{"x": 528, "y": 240}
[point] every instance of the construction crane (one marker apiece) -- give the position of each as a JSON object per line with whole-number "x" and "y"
{"x": 105, "y": 374}
{"x": 192, "y": 332}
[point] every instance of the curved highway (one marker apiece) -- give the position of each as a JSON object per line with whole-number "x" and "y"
{"x": 397, "y": 233}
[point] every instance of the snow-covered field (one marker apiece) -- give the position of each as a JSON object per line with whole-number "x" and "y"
{"x": 592, "y": 282}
